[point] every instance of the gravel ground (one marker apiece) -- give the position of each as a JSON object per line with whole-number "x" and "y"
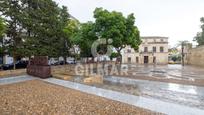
{"x": 40, "y": 98}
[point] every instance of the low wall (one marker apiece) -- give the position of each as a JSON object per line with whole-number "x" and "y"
{"x": 9, "y": 73}
{"x": 70, "y": 69}
{"x": 65, "y": 69}
{"x": 195, "y": 56}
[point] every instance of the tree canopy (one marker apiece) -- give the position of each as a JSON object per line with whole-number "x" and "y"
{"x": 35, "y": 27}
{"x": 2, "y": 27}
{"x": 2, "y": 33}
{"x": 200, "y": 35}
{"x": 85, "y": 38}
{"x": 108, "y": 25}
{"x": 113, "y": 25}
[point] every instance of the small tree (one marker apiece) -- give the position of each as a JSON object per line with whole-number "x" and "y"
{"x": 114, "y": 55}
{"x": 70, "y": 30}
{"x": 176, "y": 57}
{"x": 84, "y": 38}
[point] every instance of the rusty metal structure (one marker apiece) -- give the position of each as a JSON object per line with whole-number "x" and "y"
{"x": 39, "y": 67}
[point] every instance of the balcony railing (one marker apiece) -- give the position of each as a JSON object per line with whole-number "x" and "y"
{"x": 148, "y": 52}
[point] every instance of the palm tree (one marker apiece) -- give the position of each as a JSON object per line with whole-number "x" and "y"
{"x": 183, "y": 44}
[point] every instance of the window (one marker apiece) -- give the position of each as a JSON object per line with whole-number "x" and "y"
{"x": 161, "y": 49}
{"x": 129, "y": 50}
{"x": 154, "y": 49}
{"x": 145, "y": 49}
{"x": 162, "y": 40}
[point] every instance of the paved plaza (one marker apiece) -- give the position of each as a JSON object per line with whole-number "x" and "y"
{"x": 189, "y": 75}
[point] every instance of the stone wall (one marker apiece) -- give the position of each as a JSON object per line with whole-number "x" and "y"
{"x": 63, "y": 69}
{"x": 195, "y": 56}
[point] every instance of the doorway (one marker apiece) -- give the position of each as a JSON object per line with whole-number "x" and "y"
{"x": 129, "y": 60}
{"x": 154, "y": 60}
{"x": 137, "y": 59}
{"x": 146, "y": 59}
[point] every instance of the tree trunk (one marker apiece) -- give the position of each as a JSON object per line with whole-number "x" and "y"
{"x": 120, "y": 57}
{"x": 120, "y": 60}
{"x": 14, "y": 61}
{"x": 2, "y": 55}
{"x": 182, "y": 54}
{"x": 87, "y": 59}
{"x": 65, "y": 59}
{"x": 92, "y": 59}
{"x": 75, "y": 58}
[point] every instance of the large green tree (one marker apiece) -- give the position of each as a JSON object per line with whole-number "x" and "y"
{"x": 34, "y": 27}
{"x": 43, "y": 24}
{"x": 200, "y": 35}
{"x": 113, "y": 25}
{"x": 11, "y": 10}
{"x": 47, "y": 24}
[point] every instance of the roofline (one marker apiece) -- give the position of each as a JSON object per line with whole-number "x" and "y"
{"x": 72, "y": 17}
{"x": 153, "y": 37}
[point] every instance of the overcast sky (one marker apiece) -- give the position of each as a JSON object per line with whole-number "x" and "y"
{"x": 176, "y": 19}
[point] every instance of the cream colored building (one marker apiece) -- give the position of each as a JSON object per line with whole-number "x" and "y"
{"x": 153, "y": 50}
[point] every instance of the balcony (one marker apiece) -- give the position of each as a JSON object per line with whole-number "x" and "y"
{"x": 148, "y": 52}
{"x": 158, "y": 42}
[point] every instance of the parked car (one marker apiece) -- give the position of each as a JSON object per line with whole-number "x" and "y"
{"x": 57, "y": 63}
{"x": 71, "y": 62}
{"x": 19, "y": 65}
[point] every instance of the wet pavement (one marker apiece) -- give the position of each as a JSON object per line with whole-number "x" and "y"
{"x": 188, "y": 73}
{"x": 192, "y": 96}
{"x": 17, "y": 79}
{"x": 139, "y": 101}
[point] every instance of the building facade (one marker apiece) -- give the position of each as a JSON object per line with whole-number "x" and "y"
{"x": 153, "y": 50}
